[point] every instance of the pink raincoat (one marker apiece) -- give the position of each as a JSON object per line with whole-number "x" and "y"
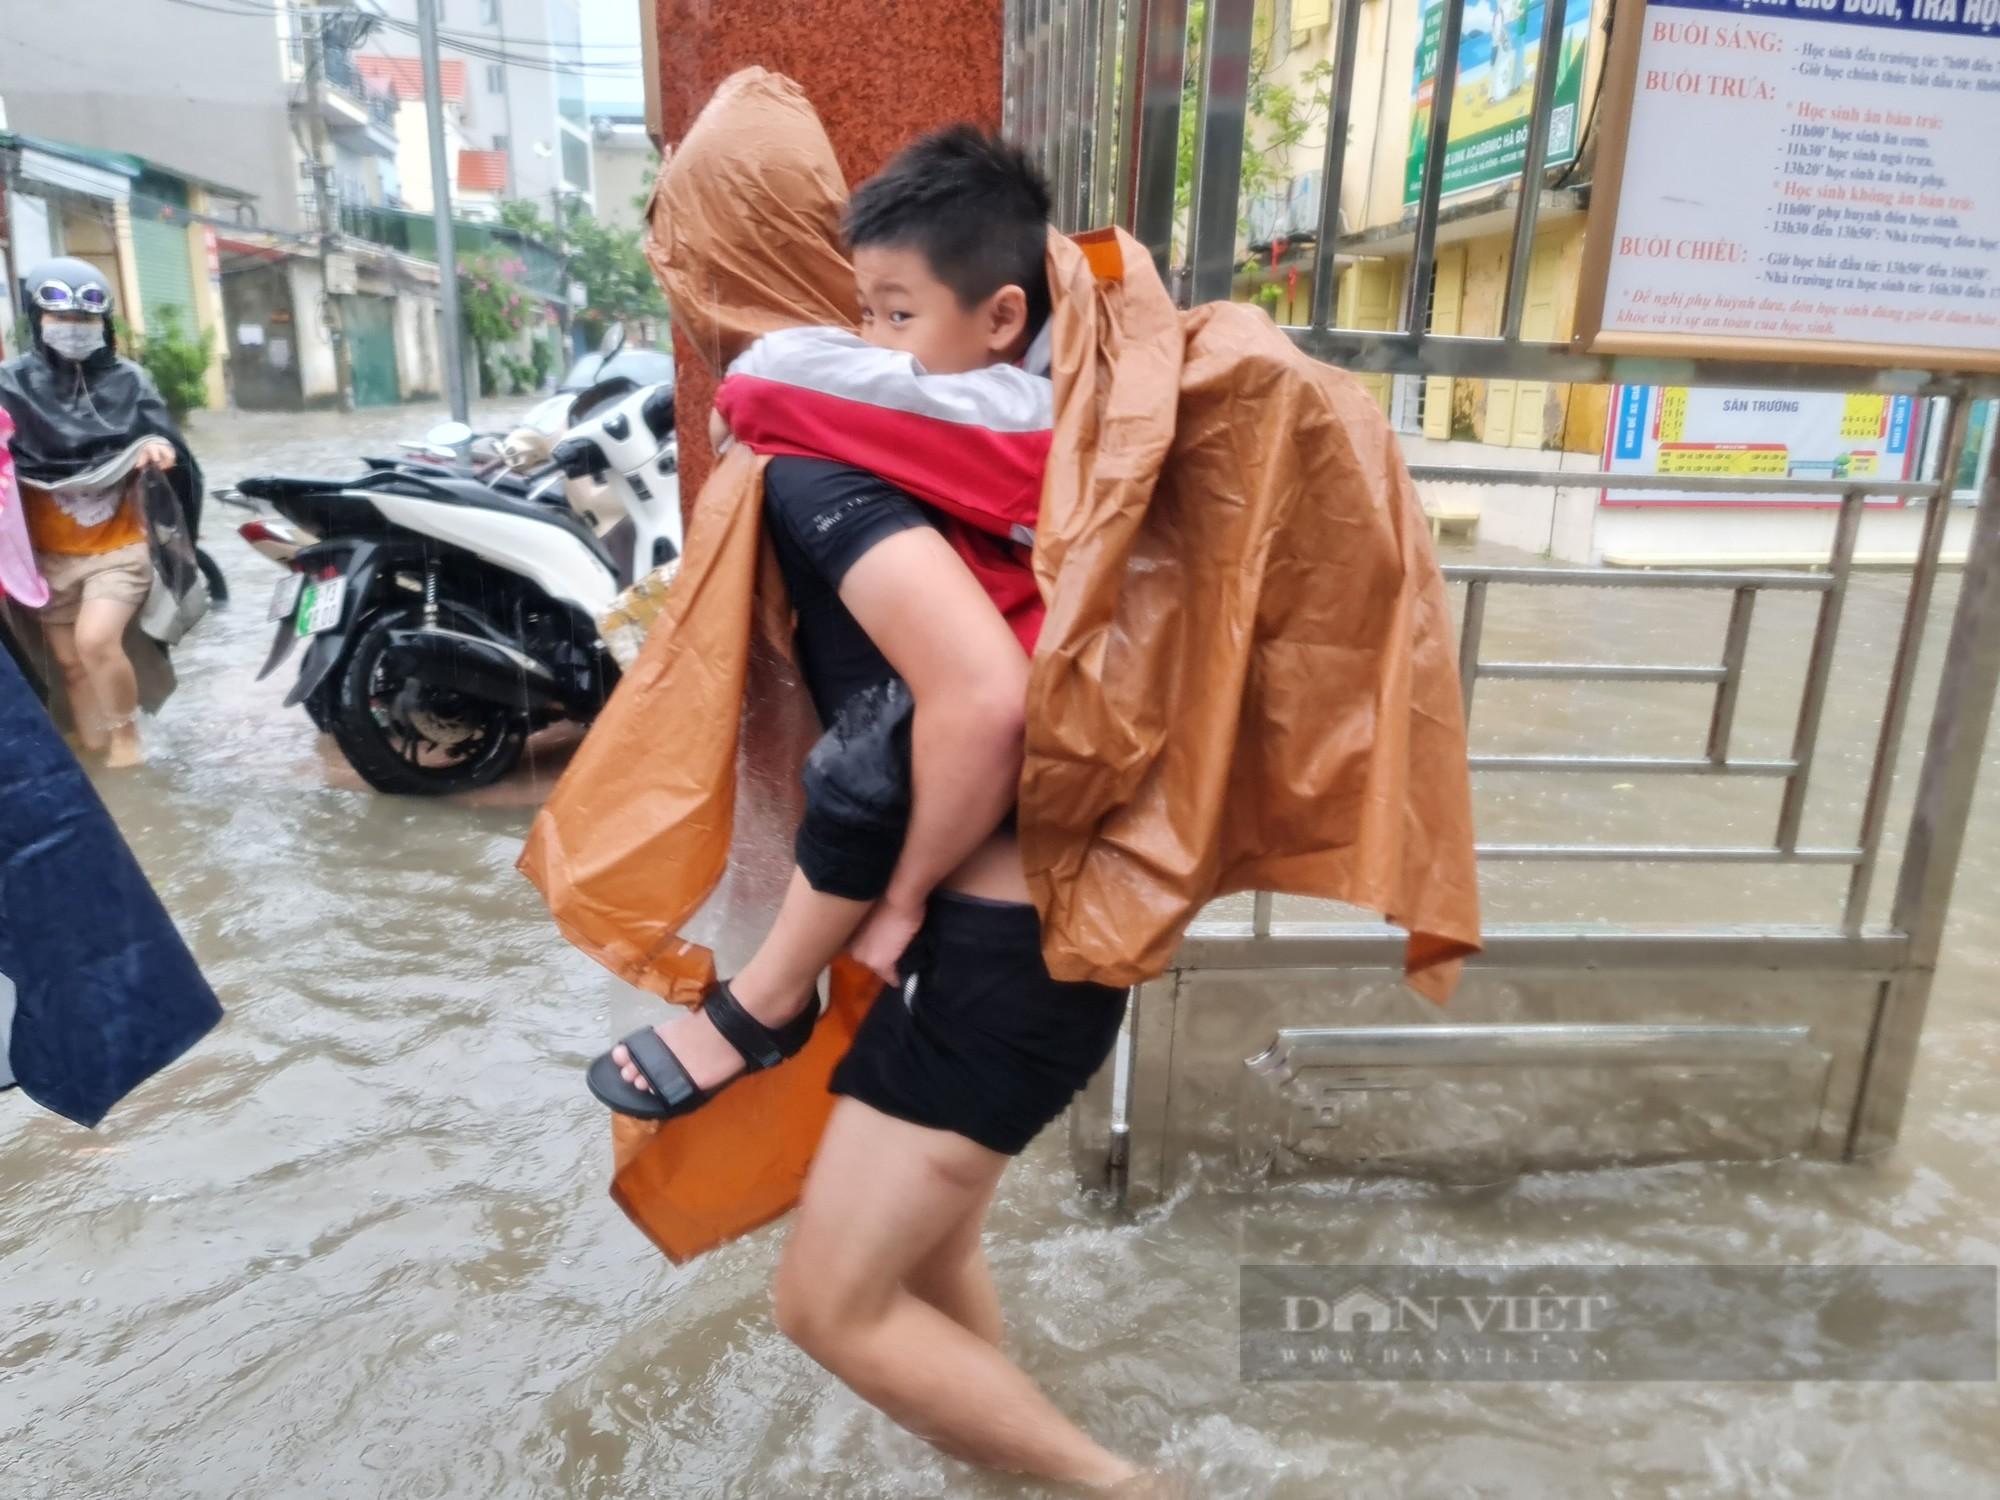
{"x": 19, "y": 577}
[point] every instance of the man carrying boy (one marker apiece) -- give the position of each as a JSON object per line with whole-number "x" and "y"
{"x": 884, "y": 1279}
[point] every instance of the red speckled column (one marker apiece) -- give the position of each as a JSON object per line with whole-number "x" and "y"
{"x": 878, "y": 71}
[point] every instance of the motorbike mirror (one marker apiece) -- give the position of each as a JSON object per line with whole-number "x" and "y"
{"x": 448, "y": 435}
{"x": 613, "y": 341}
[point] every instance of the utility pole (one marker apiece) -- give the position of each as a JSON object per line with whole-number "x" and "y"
{"x": 564, "y": 313}
{"x": 447, "y": 247}
{"x": 320, "y": 147}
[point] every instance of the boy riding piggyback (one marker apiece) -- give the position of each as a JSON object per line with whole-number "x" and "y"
{"x": 934, "y": 416}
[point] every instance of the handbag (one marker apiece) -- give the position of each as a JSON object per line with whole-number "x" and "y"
{"x": 179, "y": 597}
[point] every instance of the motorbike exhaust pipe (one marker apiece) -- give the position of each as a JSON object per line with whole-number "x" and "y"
{"x": 475, "y": 666}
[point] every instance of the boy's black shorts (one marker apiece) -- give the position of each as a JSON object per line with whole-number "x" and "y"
{"x": 983, "y": 1042}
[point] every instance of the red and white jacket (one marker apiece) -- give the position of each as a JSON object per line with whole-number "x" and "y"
{"x": 972, "y": 446}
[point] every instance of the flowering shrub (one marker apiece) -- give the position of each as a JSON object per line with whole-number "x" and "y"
{"x": 493, "y": 307}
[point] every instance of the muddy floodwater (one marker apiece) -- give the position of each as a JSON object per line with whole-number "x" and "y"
{"x": 357, "y": 1243}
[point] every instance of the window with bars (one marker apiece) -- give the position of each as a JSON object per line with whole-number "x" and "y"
{"x": 496, "y": 78}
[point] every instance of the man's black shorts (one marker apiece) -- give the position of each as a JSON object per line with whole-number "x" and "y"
{"x": 980, "y": 1040}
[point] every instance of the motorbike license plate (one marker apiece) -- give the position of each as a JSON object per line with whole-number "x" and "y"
{"x": 285, "y": 598}
{"x": 320, "y": 605}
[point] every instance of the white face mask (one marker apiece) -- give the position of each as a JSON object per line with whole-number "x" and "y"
{"x": 77, "y": 341}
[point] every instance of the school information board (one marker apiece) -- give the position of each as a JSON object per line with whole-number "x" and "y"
{"x": 1810, "y": 179}
{"x": 1759, "y": 434}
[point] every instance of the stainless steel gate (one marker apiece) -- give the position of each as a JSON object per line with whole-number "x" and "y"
{"x": 1291, "y": 1045}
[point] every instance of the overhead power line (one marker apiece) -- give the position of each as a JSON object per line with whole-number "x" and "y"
{"x": 258, "y": 10}
{"x": 548, "y": 62}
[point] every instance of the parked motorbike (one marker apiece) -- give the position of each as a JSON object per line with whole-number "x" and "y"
{"x": 447, "y": 617}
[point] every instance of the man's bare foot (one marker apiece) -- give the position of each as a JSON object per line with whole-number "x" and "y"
{"x": 700, "y": 1048}
{"x": 125, "y": 749}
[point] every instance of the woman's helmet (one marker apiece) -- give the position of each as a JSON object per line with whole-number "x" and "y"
{"x": 68, "y": 285}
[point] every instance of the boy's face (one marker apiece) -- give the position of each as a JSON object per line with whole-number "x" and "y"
{"x": 906, "y": 308}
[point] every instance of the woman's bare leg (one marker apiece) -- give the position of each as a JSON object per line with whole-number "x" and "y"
{"x": 100, "y": 643}
{"x": 91, "y": 728}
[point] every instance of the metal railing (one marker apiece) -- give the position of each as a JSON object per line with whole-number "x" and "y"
{"x": 1095, "y": 89}
{"x": 1727, "y": 675}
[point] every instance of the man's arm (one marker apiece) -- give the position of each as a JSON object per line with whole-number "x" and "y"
{"x": 967, "y": 673}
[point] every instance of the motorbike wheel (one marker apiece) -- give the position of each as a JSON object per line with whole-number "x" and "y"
{"x": 416, "y": 738}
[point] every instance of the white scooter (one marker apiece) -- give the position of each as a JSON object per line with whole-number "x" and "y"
{"x": 448, "y": 617}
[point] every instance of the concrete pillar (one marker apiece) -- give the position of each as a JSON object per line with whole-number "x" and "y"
{"x": 878, "y": 75}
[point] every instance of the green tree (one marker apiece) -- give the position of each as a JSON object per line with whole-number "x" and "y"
{"x": 616, "y": 276}
{"x": 177, "y": 362}
{"x": 609, "y": 263}
{"x": 643, "y": 199}
{"x": 1280, "y": 117}
{"x": 524, "y": 215}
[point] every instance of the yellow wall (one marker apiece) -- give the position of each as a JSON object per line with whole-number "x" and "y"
{"x": 207, "y": 302}
{"x": 1371, "y": 296}
{"x": 1472, "y": 285}
{"x": 129, "y": 299}
{"x": 99, "y": 240}
{"x": 1469, "y": 298}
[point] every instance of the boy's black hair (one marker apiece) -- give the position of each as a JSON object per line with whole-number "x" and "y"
{"x": 973, "y": 204}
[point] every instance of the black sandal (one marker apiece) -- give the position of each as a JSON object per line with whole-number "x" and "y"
{"x": 674, "y": 1092}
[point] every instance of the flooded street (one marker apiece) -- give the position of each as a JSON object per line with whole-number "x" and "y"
{"x": 357, "y": 1243}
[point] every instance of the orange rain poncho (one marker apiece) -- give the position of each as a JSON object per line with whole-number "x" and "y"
{"x": 1247, "y": 679}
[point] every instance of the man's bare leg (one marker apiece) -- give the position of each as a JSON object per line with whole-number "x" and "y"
{"x": 955, "y": 1279}
{"x": 883, "y": 1198}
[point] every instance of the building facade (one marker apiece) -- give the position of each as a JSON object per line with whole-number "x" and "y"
{"x": 1521, "y": 423}
{"x": 1394, "y": 76}
{"x": 201, "y": 92}
{"x": 282, "y": 202}
{"x": 624, "y": 163}
{"x": 524, "y": 66}
{"x": 151, "y": 231}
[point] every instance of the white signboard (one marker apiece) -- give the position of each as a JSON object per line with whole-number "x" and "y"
{"x": 1802, "y": 172}
{"x": 342, "y": 275}
{"x": 1756, "y": 434}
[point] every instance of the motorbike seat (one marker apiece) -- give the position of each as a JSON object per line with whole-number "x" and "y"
{"x": 484, "y": 496}
{"x": 440, "y": 485}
